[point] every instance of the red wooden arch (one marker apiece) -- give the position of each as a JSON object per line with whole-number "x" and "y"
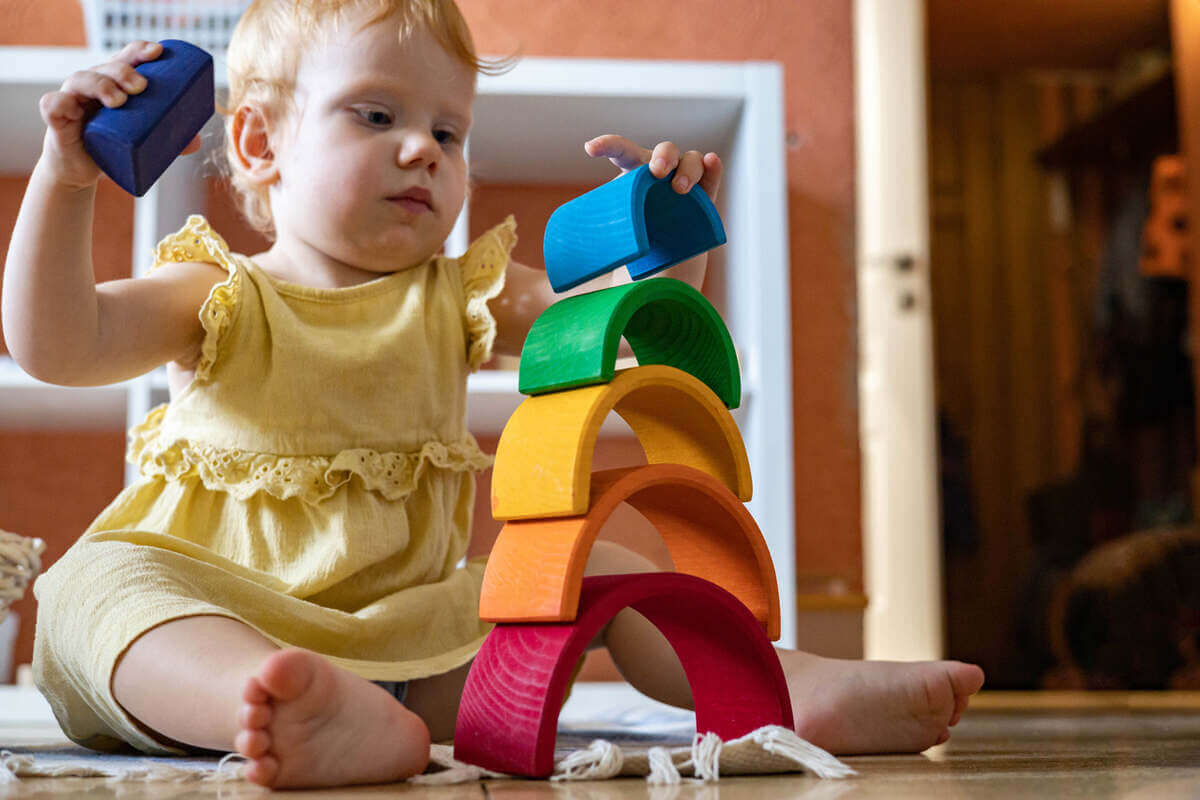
{"x": 508, "y": 716}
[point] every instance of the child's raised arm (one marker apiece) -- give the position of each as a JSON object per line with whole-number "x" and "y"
{"x": 58, "y": 325}
{"x": 527, "y": 292}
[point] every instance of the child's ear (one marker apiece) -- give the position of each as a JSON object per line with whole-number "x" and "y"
{"x": 251, "y": 141}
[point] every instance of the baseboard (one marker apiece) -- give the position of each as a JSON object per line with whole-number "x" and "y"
{"x": 23, "y": 704}
{"x": 1054, "y": 700}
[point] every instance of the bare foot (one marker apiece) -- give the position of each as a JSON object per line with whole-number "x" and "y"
{"x": 307, "y": 723}
{"x": 850, "y": 707}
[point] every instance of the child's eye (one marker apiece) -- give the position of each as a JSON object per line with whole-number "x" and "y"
{"x": 445, "y": 136}
{"x": 374, "y": 116}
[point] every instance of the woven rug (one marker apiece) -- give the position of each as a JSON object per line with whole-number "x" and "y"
{"x": 603, "y": 733}
{"x": 769, "y": 750}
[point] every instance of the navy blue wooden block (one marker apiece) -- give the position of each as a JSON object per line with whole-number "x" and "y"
{"x": 136, "y": 142}
{"x": 637, "y": 220}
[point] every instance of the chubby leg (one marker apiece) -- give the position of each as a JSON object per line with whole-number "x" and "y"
{"x": 640, "y": 651}
{"x": 184, "y": 679}
{"x": 435, "y": 700}
{"x": 844, "y": 706}
{"x": 212, "y": 682}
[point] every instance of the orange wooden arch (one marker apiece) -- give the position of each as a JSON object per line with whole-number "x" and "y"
{"x": 544, "y": 457}
{"x": 536, "y": 566}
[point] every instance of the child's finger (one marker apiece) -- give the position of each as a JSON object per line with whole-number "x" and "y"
{"x": 90, "y": 84}
{"x": 689, "y": 171}
{"x": 192, "y": 146}
{"x": 620, "y": 151}
{"x": 59, "y": 109}
{"x": 123, "y": 75}
{"x": 139, "y": 52}
{"x": 664, "y": 159}
{"x": 713, "y": 170}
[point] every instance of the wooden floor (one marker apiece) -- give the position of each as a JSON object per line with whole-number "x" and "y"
{"x": 1012, "y": 745}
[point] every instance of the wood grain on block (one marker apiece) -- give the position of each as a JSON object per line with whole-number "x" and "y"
{"x": 508, "y": 716}
{"x": 637, "y": 220}
{"x": 544, "y": 457}
{"x": 575, "y": 341}
{"x": 535, "y": 569}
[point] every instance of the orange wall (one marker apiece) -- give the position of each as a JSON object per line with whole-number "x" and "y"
{"x": 42, "y": 22}
{"x": 812, "y": 39}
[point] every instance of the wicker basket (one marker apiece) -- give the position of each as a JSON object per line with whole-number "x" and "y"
{"x": 208, "y": 24}
{"x": 20, "y": 562}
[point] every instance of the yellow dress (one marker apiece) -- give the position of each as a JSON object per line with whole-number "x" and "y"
{"x": 314, "y": 481}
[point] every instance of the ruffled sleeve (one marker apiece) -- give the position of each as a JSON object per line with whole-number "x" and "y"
{"x": 482, "y": 270}
{"x": 197, "y": 241}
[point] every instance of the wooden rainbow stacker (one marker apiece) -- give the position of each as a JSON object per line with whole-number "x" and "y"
{"x": 720, "y": 609}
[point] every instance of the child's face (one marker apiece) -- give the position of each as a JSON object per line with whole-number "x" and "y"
{"x": 371, "y": 168}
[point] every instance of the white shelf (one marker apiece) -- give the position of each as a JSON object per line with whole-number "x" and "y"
{"x": 26, "y": 73}
{"x": 27, "y": 403}
{"x": 530, "y": 126}
{"x": 531, "y": 123}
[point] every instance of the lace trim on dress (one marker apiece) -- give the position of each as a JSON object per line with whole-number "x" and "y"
{"x": 242, "y": 473}
{"x": 483, "y": 267}
{"x": 197, "y": 241}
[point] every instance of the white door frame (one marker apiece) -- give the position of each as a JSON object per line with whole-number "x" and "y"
{"x": 901, "y": 526}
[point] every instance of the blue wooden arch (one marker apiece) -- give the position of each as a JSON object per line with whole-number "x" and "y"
{"x": 637, "y": 220}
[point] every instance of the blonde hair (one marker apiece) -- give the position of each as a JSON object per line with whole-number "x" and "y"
{"x": 264, "y": 57}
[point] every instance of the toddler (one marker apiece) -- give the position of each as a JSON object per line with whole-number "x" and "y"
{"x": 283, "y": 579}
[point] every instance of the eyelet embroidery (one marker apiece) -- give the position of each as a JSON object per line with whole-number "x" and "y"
{"x": 313, "y": 479}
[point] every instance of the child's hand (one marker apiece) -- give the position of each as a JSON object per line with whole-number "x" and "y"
{"x": 694, "y": 167}
{"x": 65, "y": 111}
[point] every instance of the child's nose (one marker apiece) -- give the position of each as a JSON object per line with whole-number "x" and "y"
{"x": 419, "y": 149}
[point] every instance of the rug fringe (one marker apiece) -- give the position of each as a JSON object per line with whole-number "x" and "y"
{"x": 663, "y": 771}
{"x": 783, "y": 742}
{"x": 706, "y": 757}
{"x": 600, "y": 761}
{"x": 452, "y": 771}
{"x": 603, "y": 759}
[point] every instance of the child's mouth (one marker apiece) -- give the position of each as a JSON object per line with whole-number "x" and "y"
{"x": 415, "y": 200}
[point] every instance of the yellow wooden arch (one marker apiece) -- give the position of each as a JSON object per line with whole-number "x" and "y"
{"x": 544, "y": 458}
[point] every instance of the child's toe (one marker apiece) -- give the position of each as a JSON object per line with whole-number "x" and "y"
{"x": 253, "y": 715}
{"x": 967, "y": 679}
{"x": 255, "y": 693}
{"x": 287, "y": 674}
{"x": 252, "y": 743}
{"x": 263, "y": 771}
{"x": 960, "y": 706}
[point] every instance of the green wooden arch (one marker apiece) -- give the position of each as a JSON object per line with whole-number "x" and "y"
{"x": 574, "y": 342}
